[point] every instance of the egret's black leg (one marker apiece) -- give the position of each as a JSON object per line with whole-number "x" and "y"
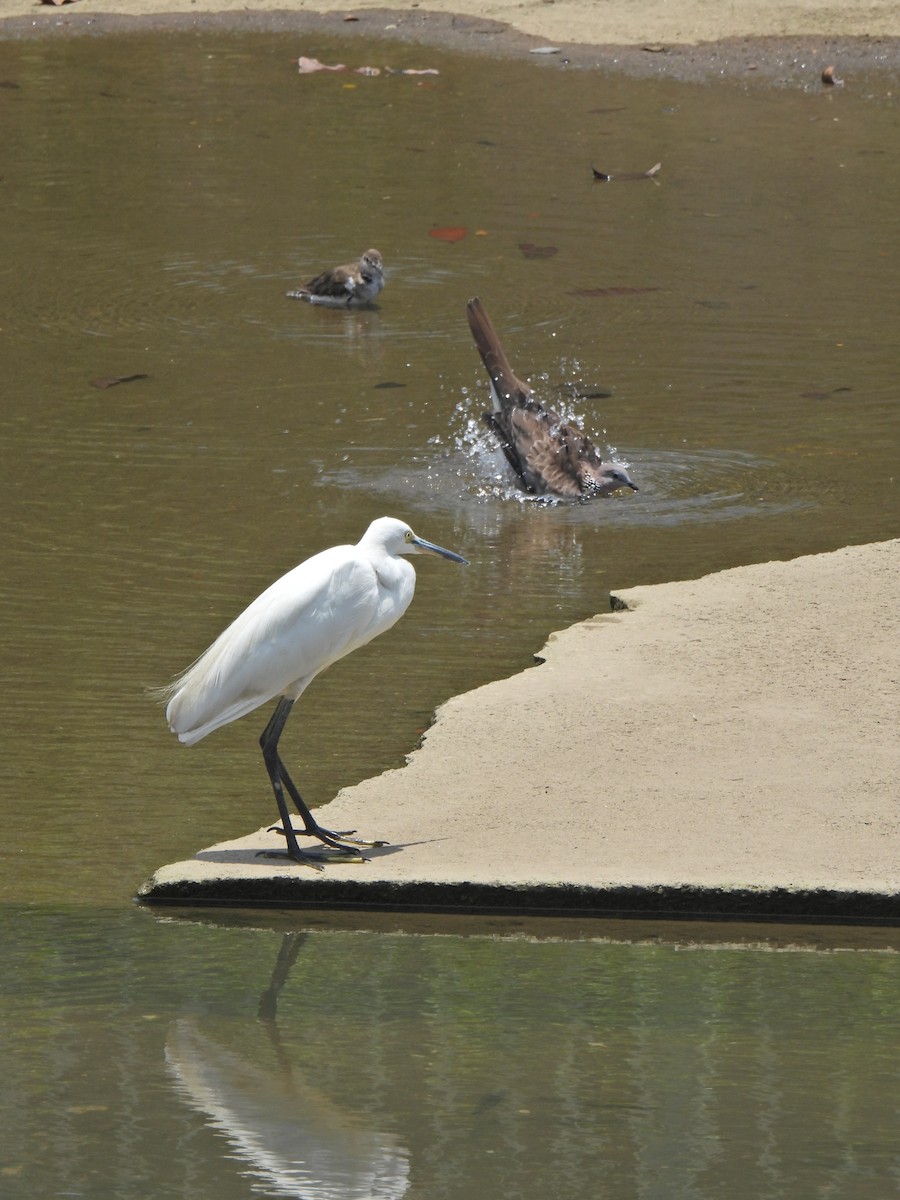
{"x": 311, "y": 826}
{"x": 278, "y": 776}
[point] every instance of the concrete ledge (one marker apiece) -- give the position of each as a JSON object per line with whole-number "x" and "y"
{"x": 721, "y": 748}
{"x": 658, "y": 902}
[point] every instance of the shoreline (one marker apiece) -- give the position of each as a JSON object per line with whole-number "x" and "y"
{"x": 782, "y": 44}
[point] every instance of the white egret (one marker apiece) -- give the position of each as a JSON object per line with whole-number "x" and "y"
{"x": 326, "y": 607}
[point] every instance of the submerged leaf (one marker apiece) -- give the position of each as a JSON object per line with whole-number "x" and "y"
{"x": 530, "y": 250}
{"x": 613, "y": 291}
{"x": 108, "y": 381}
{"x": 449, "y": 233}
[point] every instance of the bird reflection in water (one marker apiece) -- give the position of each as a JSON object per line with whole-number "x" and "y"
{"x": 294, "y": 1140}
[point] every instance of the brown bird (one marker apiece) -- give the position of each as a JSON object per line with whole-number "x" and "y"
{"x": 549, "y": 455}
{"x": 349, "y": 286}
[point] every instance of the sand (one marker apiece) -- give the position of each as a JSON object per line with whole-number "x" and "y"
{"x": 692, "y": 39}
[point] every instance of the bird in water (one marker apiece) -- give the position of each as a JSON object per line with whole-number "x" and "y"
{"x": 350, "y": 286}
{"x": 549, "y": 455}
{"x": 326, "y": 607}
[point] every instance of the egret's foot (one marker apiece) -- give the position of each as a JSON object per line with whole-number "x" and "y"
{"x": 330, "y": 837}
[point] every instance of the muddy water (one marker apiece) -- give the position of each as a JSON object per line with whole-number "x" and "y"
{"x": 729, "y": 331}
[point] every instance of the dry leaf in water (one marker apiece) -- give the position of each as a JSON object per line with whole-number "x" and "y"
{"x": 449, "y": 233}
{"x": 613, "y": 291}
{"x": 108, "y": 381}
{"x": 650, "y": 174}
{"x": 530, "y": 250}
{"x": 306, "y": 66}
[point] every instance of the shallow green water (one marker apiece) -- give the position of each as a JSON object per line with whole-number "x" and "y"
{"x": 173, "y": 1059}
{"x": 160, "y": 196}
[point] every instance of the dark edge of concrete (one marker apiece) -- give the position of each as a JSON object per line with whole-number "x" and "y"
{"x": 681, "y": 902}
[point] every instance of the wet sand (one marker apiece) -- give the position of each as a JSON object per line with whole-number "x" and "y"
{"x": 787, "y": 42}
{"x": 721, "y": 747}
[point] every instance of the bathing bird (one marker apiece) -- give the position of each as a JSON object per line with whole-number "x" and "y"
{"x": 323, "y": 609}
{"x": 549, "y": 455}
{"x": 350, "y": 286}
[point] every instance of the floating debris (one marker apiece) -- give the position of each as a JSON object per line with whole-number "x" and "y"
{"x": 830, "y": 79}
{"x": 651, "y": 174}
{"x": 108, "y": 381}
{"x": 529, "y": 250}
{"x": 622, "y": 290}
{"x": 308, "y": 66}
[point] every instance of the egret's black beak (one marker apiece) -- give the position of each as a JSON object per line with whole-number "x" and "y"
{"x": 431, "y": 548}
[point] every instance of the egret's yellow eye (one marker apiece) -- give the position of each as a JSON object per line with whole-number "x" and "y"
{"x": 409, "y": 535}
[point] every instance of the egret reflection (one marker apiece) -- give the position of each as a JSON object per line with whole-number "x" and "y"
{"x": 293, "y": 1139}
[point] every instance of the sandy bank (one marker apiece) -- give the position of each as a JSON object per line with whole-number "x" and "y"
{"x": 694, "y": 39}
{"x": 725, "y": 746}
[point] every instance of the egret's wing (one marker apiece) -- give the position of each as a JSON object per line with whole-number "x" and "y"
{"x": 306, "y": 620}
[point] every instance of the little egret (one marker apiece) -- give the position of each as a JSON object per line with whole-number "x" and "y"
{"x": 548, "y": 455}
{"x": 350, "y": 286}
{"x": 324, "y": 608}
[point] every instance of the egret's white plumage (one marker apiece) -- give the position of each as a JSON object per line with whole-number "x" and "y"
{"x": 326, "y": 607}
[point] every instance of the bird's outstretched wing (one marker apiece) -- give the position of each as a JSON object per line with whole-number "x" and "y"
{"x": 509, "y": 390}
{"x": 543, "y": 451}
{"x": 548, "y": 454}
